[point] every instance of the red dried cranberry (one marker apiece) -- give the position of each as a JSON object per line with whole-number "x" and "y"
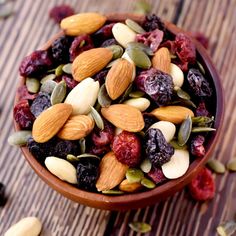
{"x": 153, "y": 22}
{"x": 23, "y": 93}
{"x": 201, "y": 38}
{"x": 36, "y": 63}
{"x": 99, "y": 150}
{"x": 79, "y": 45}
{"x": 58, "y": 13}
{"x": 109, "y": 42}
{"x": 127, "y": 148}
{"x": 23, "y": 115}
{"x": 196, "y": 147}
{"x": 101, "y": 76}
{"x": 202, "y": 187}
{"x": 70, "y": 82}
{"x": 201, "y": 110}
{"x": 156, "y": 175}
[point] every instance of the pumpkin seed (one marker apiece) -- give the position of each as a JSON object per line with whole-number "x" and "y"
{"x": 202, "y": 129}
{"x": 142, "y": 7}
{"x": 216, "y": 166}
{"x": 146, "y": 165}
{"x": 136, "y": 94}
{"x": 134, "y": 175}
{"x": 201, "y": 68}
{"x": 182, "y": 94}
{"x": 103, "y": 98}
{"x": 32, "y": 85}
{"x": 134, "y": 26}
{"x": 97, "y": 118}
{"x": 58, "y": 93}
{"x": 139, "y": 58}
{"x": 67, "y": 68}
{"x": 148, "y": 183}
{"x": 231, "y": 165}
{"x": 126, "y": 93}
{"x": 110, "y": 64}
{"x": 202, "y": 121}
{"x": 47, "y": 77}
{"x": 88, "y": 155}
{"x": 59, "y": 70}
{"x": 6, "y": 9}
{"x": 227, "y": 228}
{"x": 71, "y": 158}
{"x": 48, "y": 86}
{"x": 175, "y": 145}
{"x": 113, "y": 192}
{"x": 141, "y": 47}
{"x": 19, "y": 138}
{"x": 82, "y": 143}
{"x": 140, "y": 227}
{"x": 184, "y": 131}
{"x": 116, "y": 50}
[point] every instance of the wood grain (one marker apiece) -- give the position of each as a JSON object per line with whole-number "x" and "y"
{"x": 29, "y": 28}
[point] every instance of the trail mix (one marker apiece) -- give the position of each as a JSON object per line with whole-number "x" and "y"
{"x": 115, "y": 107}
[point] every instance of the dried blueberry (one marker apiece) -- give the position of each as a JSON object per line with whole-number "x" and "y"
{"x": 153, "y": 22}
{"x": 64, "y": 147}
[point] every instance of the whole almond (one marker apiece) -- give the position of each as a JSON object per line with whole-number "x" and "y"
{"x": 124, "y": 117}
{"x": 76, "y": 127}
{"x": 90, "y": 62}
{"x": 161, "y": 60}
{"x": 50, "y": 121}
{"x": 174, "y": 114}
{"x": 112, "y": 172}
{"x": 83, "y": 23}
{"x": 118, "y": 78}
{"x": 129, "y": 187}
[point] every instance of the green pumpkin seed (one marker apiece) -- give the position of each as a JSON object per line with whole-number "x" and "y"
{"x": 201, "y": 68}
{"x": 202, "y": 121}
{"x": 140, "y": 227}
{"x": 88, "y": 155}
{"x": 182, "y": 94}
{"x": 227, "y": 228}
{"x": 103, "y": 98}
{"x": 112, "y": 192}
{"x": 142, "y": 7}
{"x": 175, "y": 145}
{"x": 67, "y": 68}
{"x": 146, "y": 165}
{"x": 116, "y": 50}
{"x": 47, "y": 77}
{"x": 59, "y": 70}
{"x": 202, "y": 129}
{"x": 19, "y": 138}
{"x": 139, "y": 58}
{"x": 231, "y": 165}
{"x": 58, "y": 93}
{"x": 134, "y": 175}
{"x": 71, "y": 158}
{"x": 48, "y": 86}
{"x": 32, "y": 85}
{"x": 6, "y": 9}
{"x": 97, "y": 118}
{"x": 216, "y": 166}
{"x": 184, "y": 131}
{"x": 82, "y": 143}
{"x": 134, "y": 26}
{"x": 126, "y": 93}
{"x": 140, "y": 46}
{"x": 136, "y": 94}
{"x": 148, "y": 183}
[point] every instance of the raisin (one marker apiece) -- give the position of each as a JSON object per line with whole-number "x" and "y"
{"x": 41, "y": 103}
{"x": 36, "y": 63}
{"x": 23, "y": 115}
{"x": 109, "y": 42}
{"x": 99, "y": 150}
{"x": 149, "y": 119}
{"x": 198, "y": 83}
{"x": 70, "y": 82}
{"x": 153, "y": 22}
{"x": 101, "y": 76}
{"x": 79, "y": 45}
{"x": 202, "y": 110}
{"x": 156, "y": 175}
{"x": 197, "y": 149}
{"x": 158, "y": 151}
{"x": 58, "y": 13}
{"x": 64, "y": 147}
{"x": 3, "y": 198}
{"x": 202, "y": 187}
{"x": 23, "y": 93}
{"x": 127, "y": 148}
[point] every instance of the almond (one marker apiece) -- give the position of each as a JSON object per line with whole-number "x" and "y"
{"x": 124, "y": 117}
{"x": 90, "y": 62}
{"x": 112, "y": 172}
{"x": 174, "y": 114}
{"x": 125, "y": 186}
{"x": 50, "y": 121}
{"x": 76, "y": 127}
{"x": 161, "y": 60}
{"x": 118, "y": 78}
{"x": 83, "y": 23}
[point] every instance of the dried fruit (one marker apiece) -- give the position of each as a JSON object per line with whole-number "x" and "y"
{"x": 134, "y": 175}
{"x": 70, "y": 82}
{"x": 32, "y": 85}
{"x": 196, "y": 147}
{"x": 23, "y": 94}
{"x": 140, "y": 227}
{"x": 231, "y": 165}
{"x": 58, "y": 13}
{"x": 156, "y": 175}
{"x": 147, "y": 183}
{"x": 149, "y": 119}
{"x": 216, "y": 166}
{"x": 161, "y": 60}
{"x": 153, "y": 22}
{"x": 202, "y": 110}
{"x": 19, "y": 138}
{"x": 184, "y": 131}
{"x": 125, "y": 186}
{"x": 140, "y": 103}
{"x": 58, "y": 93}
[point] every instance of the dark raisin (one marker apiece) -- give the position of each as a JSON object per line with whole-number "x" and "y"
{"x": 99, "y": 150}
{"x": 70, "y": 82}
{"x": 3, "y": 198}
{"x": 101, "y": 76}
{"x": 36, "y": 63}
{"x": 198, "y": 83}
{"x": 202, "y": 110}
{"x": 58, "y": 13}
{"x": 149, "y": 119}
{"x": 158, "y": 151}
{"x": 64, "y": 147}
{"x": 109, "y": 42}
{"x": 196, "y": 147}
{"x": 153, "y": 22}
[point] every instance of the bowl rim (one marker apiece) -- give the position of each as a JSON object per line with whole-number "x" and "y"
{"x": 142, "y": 199}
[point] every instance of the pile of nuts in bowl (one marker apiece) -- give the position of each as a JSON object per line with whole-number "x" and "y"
{"x": 109, "y": 104}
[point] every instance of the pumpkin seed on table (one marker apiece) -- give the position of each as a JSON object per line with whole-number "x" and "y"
{"x": 140, "y": 227}
{"x": 134, "y": 175}
{"x": 134, "y": 26}
{"x": 146, "y": 165}
{"x": 58, "y": 93}
{"x": 48, "y": 86}
{"x": 202, "y": 129}
{"x": 67, "y": 68}
{"x": 6, "y": 9}
{"x": 113, "y": 192}
{"x": 141, "y": 47}
{"x": 116, "y": 50}
{"x": 148, "y": 183}
{"x": 231, "y": 165}
{"x": 48, "y": 77}
{"x": 59, "y": 70}
{"x": 216, "y": 166}
{"x": 184, "y": 131}
{"x": 97, "y": 118}
{"x": 136, "y": 94}
{"x": 227, "y": 228}
{"x": 19, "y": 138}
{"x": 142, "y": 7}
{"x": 82, "y": 143}
{"x": 32, "y": 85}
{"x": 103, "y": 98}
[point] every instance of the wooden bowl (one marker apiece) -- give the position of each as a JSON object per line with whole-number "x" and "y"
{"x": 142, "y": 199}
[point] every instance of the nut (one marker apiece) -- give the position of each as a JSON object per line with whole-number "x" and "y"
{"x": 161, "y": 60}
{"x": 118, "y": 78}
{"x": 63, "y": 169}
{"x": 83, "y": 23}
{"x": 76, "y": 127}
{"x": 25, "y": 227}
{"x": 126, "y": 56}
{"x": 112, "y": 172}
{"x": 82, "y": 96}
{"x": 174, "y": 114}
{"x": 89, "y": 62}
{"x": 177, "y": 75}
{"x": 50, "y": 121}
{"x": 124, "y": 117}
{"x": 129, "y": 187}
{"x": 140, "y": 103}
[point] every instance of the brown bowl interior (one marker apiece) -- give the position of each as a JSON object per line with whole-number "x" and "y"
{"x": 137, "y": 200}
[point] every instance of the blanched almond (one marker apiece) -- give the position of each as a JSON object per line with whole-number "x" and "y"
{"x": 177, "y": 75}
{"x": 140, "y": 103}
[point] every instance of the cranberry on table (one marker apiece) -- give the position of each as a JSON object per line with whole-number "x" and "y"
{"x": 58, "y": 13}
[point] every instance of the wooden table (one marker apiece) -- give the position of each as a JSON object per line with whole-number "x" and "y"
{"x": 29, "y": 28}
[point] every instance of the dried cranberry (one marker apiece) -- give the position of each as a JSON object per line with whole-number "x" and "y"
{"x": 149, "y": 119}
{"x": 101, "y": 76}
{"x": 109, "y": 42}
{"x": 202, "y": 110}
{"x": 79, "y": 45}
{"x": 201, "y": 38}
{"x": 70, "y": 82}
{"x": 23, "y": 93}
{"x": 99, "y": 150}
{"x": 153, "y": 22}
{"x": 36, "y": 63}
{"x": 202, "y": 187}
{"x": 196, "y": 147}
{"x": 127, "y": 148}
{"x": 23, "y": 115}
{"x": 156, "y": 175}
{"x": 58, "y": 13}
